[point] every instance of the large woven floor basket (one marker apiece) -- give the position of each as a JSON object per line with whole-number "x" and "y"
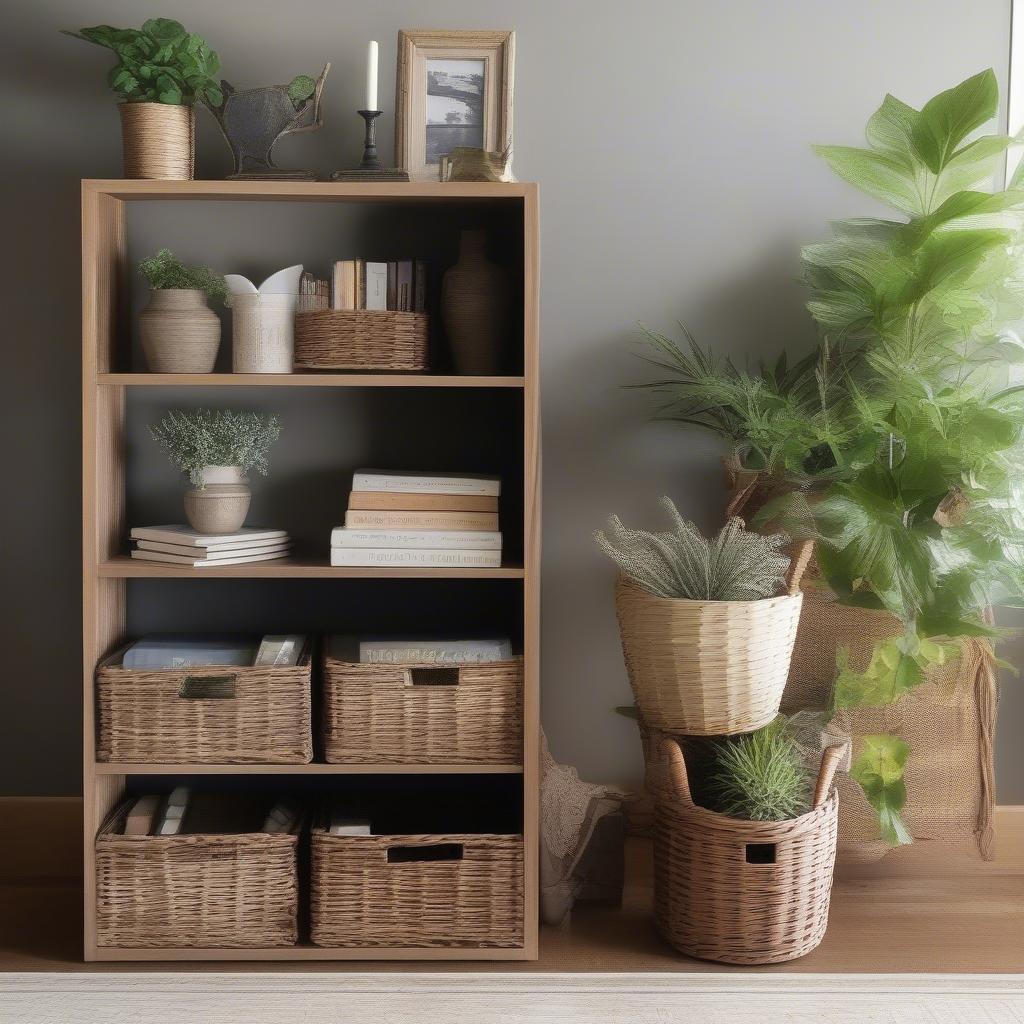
{"x": 213, "y": 715}
{"x": 708, "y": 668}
{"x": 425, "y": 714}
{"x": 461, "y": 890}
{"x": 361, "y": 339}
{"x": 232, "y": 890}
{"x": 743, "y": 892}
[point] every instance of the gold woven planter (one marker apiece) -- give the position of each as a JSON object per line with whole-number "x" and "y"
{"x": 706, "y": 668}
{"x": 159, "y": 140}
{"x": 743, "y": 892}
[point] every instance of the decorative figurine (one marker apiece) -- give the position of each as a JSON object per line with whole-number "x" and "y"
{"x": 252, "y": 121}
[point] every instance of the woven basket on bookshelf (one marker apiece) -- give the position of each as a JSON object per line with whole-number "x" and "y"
{"x": 424, "y": 714}
{"x": 232, "y": 890}
{"x": 364, "y": 339}
{"x": 214, "y": 715}
{"x": 742, "y": 892}
{"x": 417, "y": 890}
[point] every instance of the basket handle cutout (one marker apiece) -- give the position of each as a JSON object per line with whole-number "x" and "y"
{"x": 673, "y": 756}
{"x": 436, "y": 851}
{"x": 798, "y": 563}
{"x": 208, "y": 687}
{"x": 432, "y": 677}
{"x": 760, "y": 853}
{"x": 830, "y": 762}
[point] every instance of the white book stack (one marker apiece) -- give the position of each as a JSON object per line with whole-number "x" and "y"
{"x": 180, "y": 545}
{"x": 420, "y": 519}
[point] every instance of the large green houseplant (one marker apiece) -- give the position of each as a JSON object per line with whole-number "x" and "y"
{"x": 896, "y": 444}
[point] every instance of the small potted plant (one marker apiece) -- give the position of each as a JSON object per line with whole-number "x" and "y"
{"x": 162, "y": 71}
{"x": 216, "y": 448}
{"x": 179, "y": 331}
{"x": 707, "y": 626}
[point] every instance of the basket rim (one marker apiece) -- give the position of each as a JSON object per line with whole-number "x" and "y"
{"x": 725, "y": 823}
{"x": 108, "y": 663}
{"x": 625, "y": 583}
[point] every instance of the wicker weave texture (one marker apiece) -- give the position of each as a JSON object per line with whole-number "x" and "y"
{"x": 360, "y": 898}
{"x": 706, "y": 668}
{"x": 196, "y": 890}
{"x": 158, "y": 140}
{"x": 364, "y": 339}
{"x": 380, "y": 713}
{"x": 143, "y": 716}
{"x": 714, "y": 896}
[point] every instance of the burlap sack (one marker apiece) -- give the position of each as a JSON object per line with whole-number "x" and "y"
{"x": 948, "y": 721}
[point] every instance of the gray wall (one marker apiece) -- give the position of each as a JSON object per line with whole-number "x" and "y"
{"x": 671, "y": 139}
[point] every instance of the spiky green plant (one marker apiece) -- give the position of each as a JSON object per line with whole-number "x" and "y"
{"x": 165, "y": 270}
{"x": 682, "y": 563}
{"x": 759, "y": 777}
{"x": 196, "y": 438}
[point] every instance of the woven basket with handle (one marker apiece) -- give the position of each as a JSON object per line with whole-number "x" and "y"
{"x": 743, "y": 892}
{"x": 709, "y": 668}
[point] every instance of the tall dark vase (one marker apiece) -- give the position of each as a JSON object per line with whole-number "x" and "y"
{"x": 476, "y": 308}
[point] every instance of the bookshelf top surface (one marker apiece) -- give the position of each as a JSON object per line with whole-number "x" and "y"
{"x": 309, "y": 190}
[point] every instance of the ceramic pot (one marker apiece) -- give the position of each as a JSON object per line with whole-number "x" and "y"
{"x": 221, "y": 503}
{"x": 263, "y": 332}
{"x": 159, "y": 140}
{"x": 179, "y": 331}
{"x": 476, "y": 308}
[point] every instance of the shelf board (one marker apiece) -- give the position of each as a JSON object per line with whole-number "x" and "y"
{"x": 308, "y": 380}
{"x": 125, "y": 567}
{"x": 122, "y": 768}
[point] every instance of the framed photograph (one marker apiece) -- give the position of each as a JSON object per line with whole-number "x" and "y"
{"x": 454, "y": 89}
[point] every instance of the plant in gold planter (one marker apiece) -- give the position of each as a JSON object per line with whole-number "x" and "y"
{"x": 215, "y": 449}
{"x": 179, "y": 331}
{"x": 162, "y": 71}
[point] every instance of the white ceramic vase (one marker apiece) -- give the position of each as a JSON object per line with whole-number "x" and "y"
{"x": 263, "y": 332}
{"x": 221, "y": 503}
{"x": 179, "y": 331}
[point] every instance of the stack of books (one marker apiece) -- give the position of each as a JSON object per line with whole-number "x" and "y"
{"x": 181, "y": 545}
{"x": 420, "y": 519}
{"x": 397, "y": 285}
{"x": 185, "y": 650}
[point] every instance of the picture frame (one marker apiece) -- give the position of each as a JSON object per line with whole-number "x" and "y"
{"x": 454, "y": 89}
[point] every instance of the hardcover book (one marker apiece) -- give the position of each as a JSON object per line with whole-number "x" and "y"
{"x": 398, "y": 520}
{"x": 410, "y": 502}
{"x": 413, "y": 557}
{"x": 424, "y": 483}
{"x": 481, "y": 540}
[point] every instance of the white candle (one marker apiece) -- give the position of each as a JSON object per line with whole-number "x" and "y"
{"x": 371, "y": 76}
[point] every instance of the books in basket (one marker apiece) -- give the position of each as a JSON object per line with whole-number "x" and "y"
{"x": 425, "y": 483}
{"x": 416, "y": 557}
{"x": 478, "y": 540}
{"x": 431, "y": 651}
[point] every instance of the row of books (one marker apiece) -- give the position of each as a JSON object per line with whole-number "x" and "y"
{"x": 181, "y": 545}
{"x": 171, "y": 651}
{"x": 397, "y": 285}
{"x": 181, "y": 813}
{"x": 419, "y": 519}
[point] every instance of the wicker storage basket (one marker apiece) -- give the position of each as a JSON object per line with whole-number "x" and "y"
{"x": 232, "y": 890}
{"x": 743, "y": 892}
{"x": 417, "y": 890}
{"x": 361, "y": 339}
{"x": 708, "y": 668}
{"x": 422, "y": 714}
{"x": 215, "y": 715}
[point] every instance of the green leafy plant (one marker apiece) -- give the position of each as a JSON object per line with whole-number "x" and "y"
{"x": 201, "y": 437}
{"x": 682, "y": 563}
{"x": 898, "y": 442}
{"x": 762, "y": 776}
{"x": 165, "y": 270}
{"x": 159, "y": 63}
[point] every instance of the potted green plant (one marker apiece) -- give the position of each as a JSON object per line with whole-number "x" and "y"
{"x": 216, "y": 448}
{"x": 895, "y": 446}
{"x": 179, "y": 331}
{"x": 162, "y": 71}
{"x": 707, "y": 626}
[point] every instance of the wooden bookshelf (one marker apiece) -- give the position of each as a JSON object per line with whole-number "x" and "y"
{"x": 109, "y": 381}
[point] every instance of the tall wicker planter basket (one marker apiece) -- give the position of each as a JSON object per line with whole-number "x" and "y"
{"x": 708, "y": 668}
{"x": 159, "y": 140}
{"x": 743, "y": 892}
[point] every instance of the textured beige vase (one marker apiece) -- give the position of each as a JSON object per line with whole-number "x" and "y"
{"x": 159, "y": 140}
{"x": 221, "y": 504}
{"x": 476, "y": 309}
{"x": 263, "y": 333}
{"x": 179, "y": 331}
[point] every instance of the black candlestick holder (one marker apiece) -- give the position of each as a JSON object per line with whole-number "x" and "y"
{"x": 370, "y": 168}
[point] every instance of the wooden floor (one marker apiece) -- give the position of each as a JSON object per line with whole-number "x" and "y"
{"x": 929, "y": 910}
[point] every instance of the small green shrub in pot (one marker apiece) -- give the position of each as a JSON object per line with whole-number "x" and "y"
{"x": 216, "y": 448}
{"x": 178, "y": 330}
{"x": 162, "y": 71}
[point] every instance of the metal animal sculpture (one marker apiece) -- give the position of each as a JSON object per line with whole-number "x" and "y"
{"x": 252, "y": 121}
